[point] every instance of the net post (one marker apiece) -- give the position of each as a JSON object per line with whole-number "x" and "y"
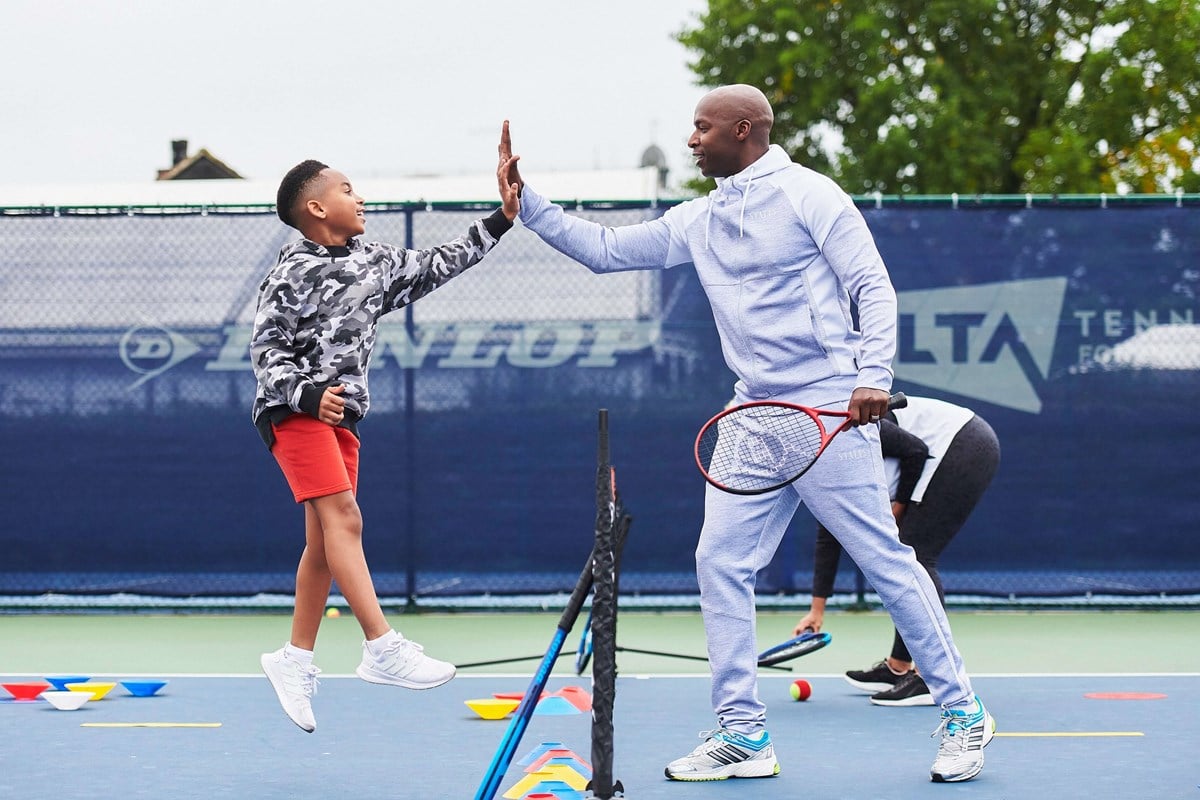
{"x": 610, "y": 527}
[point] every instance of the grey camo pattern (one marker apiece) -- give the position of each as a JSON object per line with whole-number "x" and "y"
{"x": 317, "y": 314}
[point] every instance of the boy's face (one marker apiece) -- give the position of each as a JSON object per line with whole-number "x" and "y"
{"x": 338, "y": 205}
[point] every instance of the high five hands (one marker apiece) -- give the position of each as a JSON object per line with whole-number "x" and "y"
{"x": 508, "y": 176}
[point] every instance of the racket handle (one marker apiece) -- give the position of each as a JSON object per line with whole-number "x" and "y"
{"x": 898, "y": 400}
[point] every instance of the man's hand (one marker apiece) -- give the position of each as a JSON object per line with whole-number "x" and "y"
{"x": 867, "y": 406}
{"x": 333, "y": 407}
{"x": 508, "y": 176}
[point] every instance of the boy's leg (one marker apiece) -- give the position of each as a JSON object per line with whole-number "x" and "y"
{"x": 341, "y": 525}
{"x": 290, "y": 669}
{"x": 313, "y": 580}
{"x": 388, "y": 657}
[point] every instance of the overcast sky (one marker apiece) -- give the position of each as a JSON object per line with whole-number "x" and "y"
{"x": 95, "y": 90}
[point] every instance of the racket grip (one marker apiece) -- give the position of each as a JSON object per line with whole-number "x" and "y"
{"x": 898, "y": 400}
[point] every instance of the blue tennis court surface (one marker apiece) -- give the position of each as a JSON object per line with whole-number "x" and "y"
{"x": 380, "y": 742}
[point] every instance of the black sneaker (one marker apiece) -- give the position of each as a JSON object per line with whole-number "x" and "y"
{"x": 878, "y": 678}
{"x": 910, "y": 691}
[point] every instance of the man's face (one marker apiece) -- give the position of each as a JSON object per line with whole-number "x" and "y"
{"x": 343, "y": 207}
{"x": 714, "y": 143}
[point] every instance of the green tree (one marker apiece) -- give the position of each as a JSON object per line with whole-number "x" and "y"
{"x": 970, "y": 96}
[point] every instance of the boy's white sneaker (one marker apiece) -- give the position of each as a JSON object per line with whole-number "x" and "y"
{"x": 403, "y": 663}
{"x": 294, "y": 684}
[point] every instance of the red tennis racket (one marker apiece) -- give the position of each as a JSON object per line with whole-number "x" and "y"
{"x": 759, "y": 447}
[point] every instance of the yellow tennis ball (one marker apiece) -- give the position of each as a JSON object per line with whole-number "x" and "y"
{"x": 333, "y": 613}
{"x": 800, "y": 690}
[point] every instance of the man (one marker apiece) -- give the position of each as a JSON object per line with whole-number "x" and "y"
{"x": 781, "y": 253}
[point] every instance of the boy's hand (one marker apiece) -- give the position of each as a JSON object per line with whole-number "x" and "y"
{"x": 333, "y": 406}
{"x": 508, "y": 176}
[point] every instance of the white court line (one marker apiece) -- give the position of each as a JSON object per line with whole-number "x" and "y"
{"x": 491, "y": 675}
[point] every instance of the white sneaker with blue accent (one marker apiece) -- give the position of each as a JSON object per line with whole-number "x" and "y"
{"x": 965, "y": 732}
{"x": 726, "y": 754}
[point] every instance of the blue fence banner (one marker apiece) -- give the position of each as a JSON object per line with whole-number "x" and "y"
{"x": 131, "y": 466}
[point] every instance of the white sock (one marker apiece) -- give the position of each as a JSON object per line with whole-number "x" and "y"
{"x": 375, "y": 646}
{"x": 296, "y": 654}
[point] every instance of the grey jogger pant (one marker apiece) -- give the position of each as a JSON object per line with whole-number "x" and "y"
{"x": 846, "y": 491}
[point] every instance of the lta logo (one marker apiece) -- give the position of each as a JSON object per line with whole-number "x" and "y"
{"x": 992, "y": 342}
{"x": 150, "y": 350}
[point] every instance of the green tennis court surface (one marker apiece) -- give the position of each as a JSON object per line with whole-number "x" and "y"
{"x": 993, "y": 642}
{"x": 1055, "y": 681}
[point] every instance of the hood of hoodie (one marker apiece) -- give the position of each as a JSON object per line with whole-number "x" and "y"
{"x": 741, "y": 183}
{"x": 306, "y": 247}
{"x": 770, "y": 162}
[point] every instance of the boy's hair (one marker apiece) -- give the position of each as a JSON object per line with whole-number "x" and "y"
{"x": 293, "y": 186}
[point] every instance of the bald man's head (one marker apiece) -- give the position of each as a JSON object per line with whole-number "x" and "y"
{"x": 732, "y": 129}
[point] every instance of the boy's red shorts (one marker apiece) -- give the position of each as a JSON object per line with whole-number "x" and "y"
{"x": 317, "y": 459}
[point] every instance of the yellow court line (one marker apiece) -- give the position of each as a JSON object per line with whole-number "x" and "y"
{"x": 150, "y": 725}
{"x": 1035, "y": 734}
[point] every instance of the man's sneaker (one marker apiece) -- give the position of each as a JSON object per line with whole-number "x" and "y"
{"x": 726, "y": 754}
{"x": 910, "y": 691}
{"x": 404, "y": 663}
{"x": 965, "y": 732}
{"x": 294, "y": 684}
{"x": 878, "y": 678}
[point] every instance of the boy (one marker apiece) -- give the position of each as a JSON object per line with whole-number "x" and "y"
{"x": 312, "y": 341}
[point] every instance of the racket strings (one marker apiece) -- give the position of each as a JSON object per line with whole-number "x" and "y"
{"x": 760, "y": 447}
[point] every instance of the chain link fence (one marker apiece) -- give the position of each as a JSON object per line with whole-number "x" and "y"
{"x": 131, "y": 465}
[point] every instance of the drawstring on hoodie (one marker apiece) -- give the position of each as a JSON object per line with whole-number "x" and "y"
{"x": 745, "y": 197}
{"x": 741, "y": 216}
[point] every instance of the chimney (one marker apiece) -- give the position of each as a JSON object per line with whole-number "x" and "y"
{"x": 178, "y": 151}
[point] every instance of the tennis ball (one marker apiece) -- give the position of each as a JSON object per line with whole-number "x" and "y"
{"x": 333, "y": 613}
{"x": 801, "y": 690}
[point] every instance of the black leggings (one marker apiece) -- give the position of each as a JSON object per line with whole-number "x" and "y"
{"x": 961, "y": 479}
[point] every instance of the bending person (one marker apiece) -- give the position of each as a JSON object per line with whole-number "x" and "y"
{"x": 940, "y": 459}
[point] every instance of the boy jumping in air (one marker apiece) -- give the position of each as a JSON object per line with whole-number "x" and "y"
{"x": 313, "y": 335}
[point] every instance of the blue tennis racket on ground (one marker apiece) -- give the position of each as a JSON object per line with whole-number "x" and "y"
{"x": 583, "y": 655}
{"x": 802, "y": 645}
{"x": 755, "y": 448}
